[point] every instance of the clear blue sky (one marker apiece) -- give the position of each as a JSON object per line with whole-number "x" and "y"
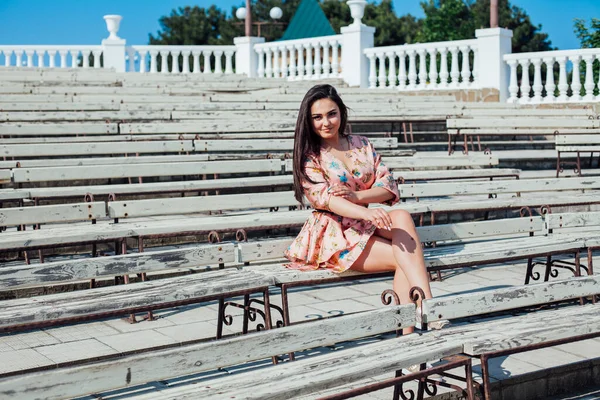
{"x": 80, "y": 21}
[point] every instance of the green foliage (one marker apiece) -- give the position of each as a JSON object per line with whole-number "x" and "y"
{"x": 446, "y": 20}
{"x": 588, "y": 37}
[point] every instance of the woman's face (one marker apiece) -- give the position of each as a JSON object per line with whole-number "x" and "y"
{"x": 326, "y": 118}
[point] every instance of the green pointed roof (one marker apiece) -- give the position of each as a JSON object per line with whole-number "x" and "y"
{"x": 308, "y": 21}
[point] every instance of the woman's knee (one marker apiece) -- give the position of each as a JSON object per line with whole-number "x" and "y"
{"x": 401, "y": 218}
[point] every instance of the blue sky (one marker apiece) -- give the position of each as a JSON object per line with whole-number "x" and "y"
{"x": 80, "y": 21}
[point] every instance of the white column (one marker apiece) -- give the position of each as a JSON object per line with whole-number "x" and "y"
{"x": 175, "y": 61}
{"x": 284, "y": 62}
{"x": 218, "y": 62}
{"x": 382, "y": 78}
{"x": 576, "y": 81}
{"x": 246, "y": 57}
{"x": 130, "y": 59}
{"x": 537, "y": 80}
{"x": 52, "y": 58}
{"x": 433, "y": 74}
{"x": 454, "y": 73}
{"x": 326, "y": 62}
{"x": 260, "y": 72}
{"x": 153, "y": 61}
{"x": 412, "y": 69}
{"x": 114, "y": 54}
{"x": 29, "y": 57}
{"x": 589, "y": 77}
{"x": 475, "y": 66}
{"x": 276, "y": 63}
{"x": 355, "y": 67}
{"x": 309, "y": 68}
{"x": 207, "y": 67}
{"x": 142, "y": 55}
{"x": 465, "y": 72}
{"x": 513, "y": 88}
{"x": 402, "y": 70}
{"x": 550, "y": 85}
{"x": 63, "y": 58}
{"x": 186, "y": 61}
{"x": 7, "y": 56}
{"x": 300, "y": 49}
{"x": 372, "y": 74}
{"x": 392, "y": 66}
{"x": 422, "y": 69}
{"x": 318, "y": 63}
{"x": 493, "y": 72}
{"x": 40, "y": 58}
{"x": 196, "y": 61}
{"x": 292, "y": 68}
{"x": 228, "y": 61}
{"x": 74, "y": 58}
{"x": 563, "y": 85}
{"x": 444, "y": 67}
{"x": 335, "y": 59}
{"x": 525, "y": 86}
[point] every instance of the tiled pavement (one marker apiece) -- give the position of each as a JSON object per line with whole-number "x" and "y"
{"x": 110, "y": 337}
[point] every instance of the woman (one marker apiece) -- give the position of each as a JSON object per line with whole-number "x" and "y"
{"x": 341, "y": 175}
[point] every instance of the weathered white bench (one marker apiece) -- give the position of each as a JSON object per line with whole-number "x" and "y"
{"x": 55, "y": 128}
{"x": 576, "y": 143}
{"x": 511, "y": 126}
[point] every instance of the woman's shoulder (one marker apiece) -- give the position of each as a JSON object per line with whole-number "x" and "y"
{"x": 359, "y": 141}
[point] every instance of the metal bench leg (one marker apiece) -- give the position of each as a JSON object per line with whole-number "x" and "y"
{"x": 286, "y": 312}
{"x": 220, "y": 318}
{"x": 485, "y": 377}
{"x": 548, "y": 268}
{"x": 529, "y": 272}
{"x": 578, "y": 164}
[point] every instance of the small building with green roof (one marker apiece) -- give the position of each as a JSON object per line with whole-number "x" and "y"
{"x": 308, "y": 21}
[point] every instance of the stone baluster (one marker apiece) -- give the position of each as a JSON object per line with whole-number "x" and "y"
{"x": 207, "y": 67}
{"x": 335, "y": 61}
{"x": 402, "y": 70}
{"x": 326, "y": 61}
{"x": 29, "y": 54}
{"x": 40, "y": 58}
{"x": 563, "y": 85}
{"x": 196, "y": 61}
{"x": 513, "y": 87}
{"x": 309, "y": 61}
{"x": 18, "y": 58}
{"x": 292, "y": 68}
{"x": 131, "y": 58}
{"x": 228, "y": 61}
{"x": 284, "y": 62}
{"x": 219, "y": 62}
{"x": 6, "y": 57}
{"x": 75, "y": 58}
{"x": 186, "y": 61}
{"x": 576, "y": 80}
{"x": 52, "y": 58}
{"x": 475, "y": 66}
{"x": 454, "y": 73}
{"x": 153, "y": 61}
{"x": 525, "y": 86}
{"x": 63, "y": 58}
{"x": 143, "y": 54}
{"x": 164, "y": 65}
{"x": 276, "y": 63}
{"x": 537, "y": 80}
{"x": 269, "y": 64}
{"x": 550, "y": 85}
{"x": 422, "y": 69}
{"x": 433, "y": 73}
{"x": 175, "y": 61}
{"x": 372, "y": 72}
{"x": 412, "y": 69}
{"x": 300, "y": 49}
{"x": 444, "y": 67}
{"x": 317, "y": 63}
{"x": 382, "y": 77}
{"x": 261, "y": 63}
{"x": 589, "y": 77}
{"x": 391, "y": 56}
{"x": 85, "y": 55}
{"x": 465, "y": 71}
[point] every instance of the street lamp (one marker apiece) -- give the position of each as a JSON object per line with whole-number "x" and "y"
{"x": 245, "y": 13}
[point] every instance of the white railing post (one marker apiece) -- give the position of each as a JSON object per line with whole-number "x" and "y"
{"x": 52, "y": 58}
{"x": 228, "y": 61}
{"x": 493, "y": 72}
{"x": 63, "y": 58}
{"x": 164, "y": 65}
{"x": 525, "y": 86}
{"x": 269, "y": 63}
{"x": 513, "y": 88}
{"x": 300, "y": 49}
{"x": 465, "y": 72}
{"x": 537, "y": 80}
{"x": 454, "y": 72}
{"x": 153, "y": 61}
{"x": 444, "y": 68}
{"x": 382, "y": 78}
{"x": 29, "y": 54}
{"x": 309, "y": 68}
{"x": 392, "y": 73}
{"x": 422, "y": 69}
{"x": 433, "y": 74}
{"x": 260, "y": 72}
{"x": 402, "y": 70}
{"x": 206, "y": 54}
{"x": 113, "y": 47}
{"x": 372, "y": 73}
{"x": 284, "y": 62}
{"x": 576, "y": 81}
{"x": 317, "y": 47}
{"x": 550, "y": 85}
{"x": 175, "y": 61}
{"x": 186, "y": 61}
{"x": 218, "y": 62}
{"x": 142, "y": 58}
{"x": 292, "y": 67}
{"x": 355, "y": 65}
{"x": 246, "y": 58}
{"x": 563, "y": 85}
{"x": 276, "y": 63}
{"x": 335, "y": 62}
{"x": 326, "y": 62}
{"x": 412, "y": 69}
{"x": 589, "y": 77}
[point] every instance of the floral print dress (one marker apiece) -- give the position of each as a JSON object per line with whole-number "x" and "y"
{"x": 328, "y": 240}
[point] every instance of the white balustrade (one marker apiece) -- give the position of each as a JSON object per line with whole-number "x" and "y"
{"x": 299, "y": 59}
{"x": 574, "y": 67}
{"x": 419, "y": 65}
{"x": 47, "y": 56}
{"x": 180, "y": 59}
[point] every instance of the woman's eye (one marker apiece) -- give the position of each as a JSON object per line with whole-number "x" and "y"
{"x": 317, "y": 118}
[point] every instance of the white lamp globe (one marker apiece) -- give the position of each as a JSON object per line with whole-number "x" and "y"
{"x": 276, "y": 13}
{"x": 240, "y": 13}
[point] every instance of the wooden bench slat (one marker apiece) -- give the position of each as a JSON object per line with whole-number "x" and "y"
{"x": 511, "y": 122}
{"x": 71, "y": 128}
{"x": 24, "y": 150}
{"x": 577, "y": 139}
{"x": 52, "y": 213}
{"x": 66, "y": 162}
{"x": 572, "y": 220}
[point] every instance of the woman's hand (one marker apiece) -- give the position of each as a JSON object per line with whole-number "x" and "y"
{"x": 379, "y": 217}
{"x": 345, "y": 192}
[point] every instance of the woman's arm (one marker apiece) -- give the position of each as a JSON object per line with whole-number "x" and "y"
{"x": 346, "y": 208}
{"x": 373, "y": 195}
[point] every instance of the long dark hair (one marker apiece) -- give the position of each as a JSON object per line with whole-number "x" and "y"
{"x": 306, "y": 141}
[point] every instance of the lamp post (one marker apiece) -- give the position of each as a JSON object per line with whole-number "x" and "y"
{"x": 493, "y": 13}
{"x": 245, "y": 13}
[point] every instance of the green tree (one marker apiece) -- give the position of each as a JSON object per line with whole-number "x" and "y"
{"x": 441, "y": 18}
{"x": 192, "y": 26}
{"x": 588, "y": 37}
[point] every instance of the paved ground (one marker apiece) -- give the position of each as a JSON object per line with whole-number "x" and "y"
{"x": 195, "y": 323}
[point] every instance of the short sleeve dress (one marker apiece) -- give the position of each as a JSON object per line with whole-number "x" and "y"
{"x": 328, "y": 240}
